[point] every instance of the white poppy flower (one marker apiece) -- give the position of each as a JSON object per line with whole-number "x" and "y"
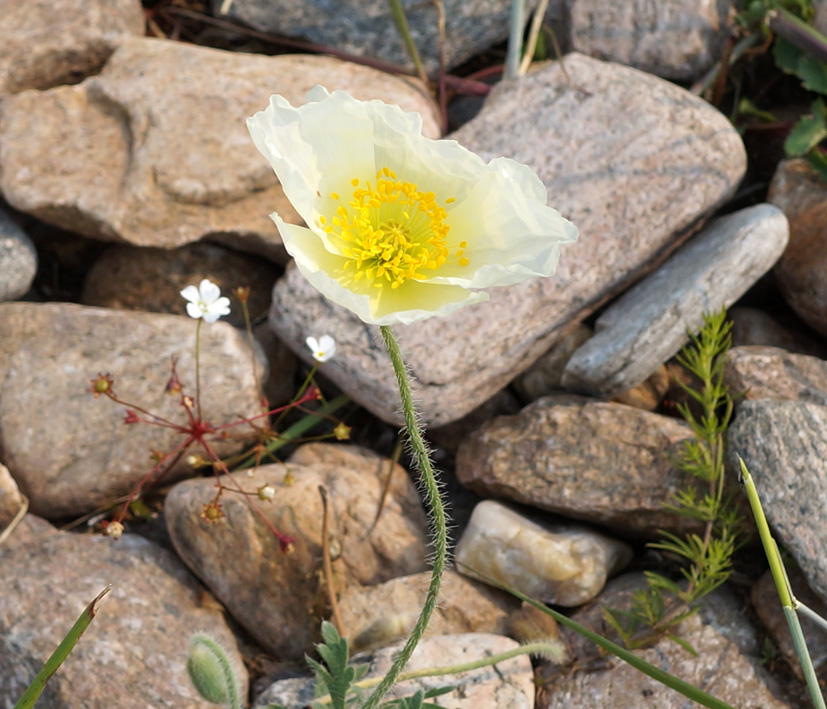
{"x": 323, "y": 348}
{"x": 206, "y": 301}
{"x": 400, "y": 227}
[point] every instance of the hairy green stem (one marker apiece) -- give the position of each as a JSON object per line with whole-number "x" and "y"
{"x": 538, "y": 648}
{"x": 440, "y": 527}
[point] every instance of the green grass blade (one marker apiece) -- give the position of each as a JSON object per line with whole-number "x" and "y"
{"x": 656, "y": 673}
{"x": 782, "y": 586}
{"x": 298, "y": 429}
{"x": 30, "y": 696}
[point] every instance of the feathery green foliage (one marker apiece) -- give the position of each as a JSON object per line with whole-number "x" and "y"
{"x": 706, "y": 559}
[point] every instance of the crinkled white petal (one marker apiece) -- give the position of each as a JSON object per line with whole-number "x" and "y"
{"x": 498, "y": 208}
{"x": 411, "y": 302}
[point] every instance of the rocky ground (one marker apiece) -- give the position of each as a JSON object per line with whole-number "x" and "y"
{"x": 127, "y": 173}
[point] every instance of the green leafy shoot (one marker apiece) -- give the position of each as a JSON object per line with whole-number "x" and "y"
{"x": 334, "y": 675}
{"x": 705, "y": 560}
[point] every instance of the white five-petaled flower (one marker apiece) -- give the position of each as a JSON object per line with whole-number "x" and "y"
{"x": 400, "y": 227}
{"x": 206, "y": 301}
{"x": 323, "y": 348}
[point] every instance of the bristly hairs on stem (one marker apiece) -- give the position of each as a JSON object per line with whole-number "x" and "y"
{"x": 439, "y": 524}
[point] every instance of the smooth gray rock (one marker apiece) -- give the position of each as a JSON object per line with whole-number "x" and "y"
{"x": 153, "y": 157}
{"x": 18, "y": 259}
{"x": 784, "y": 445}
{"x": 650, "y": 322}
{"x": 366, "y": 27}
{"x": 134, "y": 653}
{"x": 674, "y": 39}
{"x": 632, "y": 160}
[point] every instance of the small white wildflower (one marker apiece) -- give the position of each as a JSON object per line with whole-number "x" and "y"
{"x": 206, "y": 301}
{"x": 323, "y": 348}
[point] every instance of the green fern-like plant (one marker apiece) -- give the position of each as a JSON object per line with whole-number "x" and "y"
{"x": 706, "y": 559}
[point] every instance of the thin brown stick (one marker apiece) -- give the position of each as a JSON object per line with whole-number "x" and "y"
{"x": 386, "y": 485}
{"x": 327, "y": 565}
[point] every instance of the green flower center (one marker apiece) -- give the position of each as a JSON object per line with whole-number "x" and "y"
{"x": 390, "y": 232}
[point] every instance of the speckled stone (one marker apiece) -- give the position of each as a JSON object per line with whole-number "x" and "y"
{"x": 45, "y": 44}
{"x": 71, "y": 453}
{"x": 366, "y": 28}
{"x": 278, "y": 597}
{"x": 600, "y": 462}
{"x": 506, "y": 684}
{"x": 153, "y": 157}
{"x": 727, "y": 664}
{"x": 674, "y": 39}
{"x": 784, "y": 446}
{"x": 18, "y": 259}
{"x": 772, "y": 373}
{"x": 379, "y": 615}
{"x": 801, "y": 273}
{"x": 134, "y": 653}
{"x": 134, "y": 278}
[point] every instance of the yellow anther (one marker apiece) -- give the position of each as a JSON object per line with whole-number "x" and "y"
{"x": 335, "y": 195}
{"x": 385, "y": 244}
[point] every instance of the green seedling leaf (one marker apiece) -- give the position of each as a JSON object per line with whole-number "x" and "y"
{"x": 786, "y": 56}
{"x": 747, "y": 108}
{"x": 813, "y": 74}
{"x": 34, "y": 690}
{"x": 808, "y": 132}
{"x": 818, "y": 161}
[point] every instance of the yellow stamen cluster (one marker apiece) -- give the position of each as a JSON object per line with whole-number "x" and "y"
{"x": 391, "y": 232}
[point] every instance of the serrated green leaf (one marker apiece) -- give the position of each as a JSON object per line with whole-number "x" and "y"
{"x": 786, "y": 56}
{"x": 813, "y": 74}
{"x": 808, "y": 132}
